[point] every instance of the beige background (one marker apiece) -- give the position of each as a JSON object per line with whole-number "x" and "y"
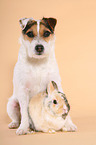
{"x": 76, "y": 56}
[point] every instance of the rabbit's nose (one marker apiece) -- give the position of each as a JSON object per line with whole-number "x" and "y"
{"x": 65, "y": 109}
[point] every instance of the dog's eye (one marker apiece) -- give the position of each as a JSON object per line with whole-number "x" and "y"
{"x": 30, "y": 34}
{"x": 46, "y": 34}
{"x": 55, "y": 101}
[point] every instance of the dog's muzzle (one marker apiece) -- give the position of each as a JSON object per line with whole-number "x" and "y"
{"x": 39, "y": 49}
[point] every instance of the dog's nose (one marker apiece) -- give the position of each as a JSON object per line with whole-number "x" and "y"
{"x": 39, "y": 48}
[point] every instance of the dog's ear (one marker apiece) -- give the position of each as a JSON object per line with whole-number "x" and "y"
{"x": 50, "y": 22}
{"x": 23, "y": 22}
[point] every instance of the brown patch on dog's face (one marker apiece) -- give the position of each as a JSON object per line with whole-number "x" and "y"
{"x": 45, "y": 33}
{"x": 46, "y": 29}
{"x": 47, "y": 26}
{"x": 30, "y": 31}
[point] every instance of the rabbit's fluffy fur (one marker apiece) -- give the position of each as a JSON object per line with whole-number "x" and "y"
{"x": 49, "y": 111}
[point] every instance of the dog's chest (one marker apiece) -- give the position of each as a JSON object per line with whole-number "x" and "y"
{"x": 36, "y": 79}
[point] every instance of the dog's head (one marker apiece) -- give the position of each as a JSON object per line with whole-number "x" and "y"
{"x": 38, "y": 36}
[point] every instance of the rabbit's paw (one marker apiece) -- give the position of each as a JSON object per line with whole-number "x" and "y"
{"x": 51, "y": 131}
{"x": 32, "y": 132}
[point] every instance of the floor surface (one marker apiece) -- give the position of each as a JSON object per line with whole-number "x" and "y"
{"x": 85, "y": 135}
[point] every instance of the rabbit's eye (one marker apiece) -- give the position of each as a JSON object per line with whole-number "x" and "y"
{"x": 55, "y": 101}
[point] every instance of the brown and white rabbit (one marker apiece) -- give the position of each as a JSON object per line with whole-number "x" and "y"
{"x": 49, "y": 110}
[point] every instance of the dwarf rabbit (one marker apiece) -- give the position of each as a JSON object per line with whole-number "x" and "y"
{"x": 49, "y": 110}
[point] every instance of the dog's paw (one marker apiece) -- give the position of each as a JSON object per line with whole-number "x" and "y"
{"x": 13, "y": 125}
{"x": 70, "y": 127}
{"x": 21, "y": 131}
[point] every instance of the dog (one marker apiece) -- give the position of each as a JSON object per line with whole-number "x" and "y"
{"x": 35, "y": 68}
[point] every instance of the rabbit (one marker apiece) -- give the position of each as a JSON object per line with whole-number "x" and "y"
{"x": 49, "y": 110}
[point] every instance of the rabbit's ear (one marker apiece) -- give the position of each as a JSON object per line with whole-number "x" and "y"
{"x": 54, "y": 85}
{"x": 51, "y": 87}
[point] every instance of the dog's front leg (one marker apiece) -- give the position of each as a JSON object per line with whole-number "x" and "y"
{"x": 23, "y": 101}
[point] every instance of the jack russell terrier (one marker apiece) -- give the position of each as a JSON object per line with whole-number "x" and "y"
{"x": 35, "y": 68}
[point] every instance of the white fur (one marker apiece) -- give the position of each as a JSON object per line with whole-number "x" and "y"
{"x": 31, "y": 73}
{"x": 45, "y": 116}
{"x": 38, "y": 26}
{"x": 24, "y": 22}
